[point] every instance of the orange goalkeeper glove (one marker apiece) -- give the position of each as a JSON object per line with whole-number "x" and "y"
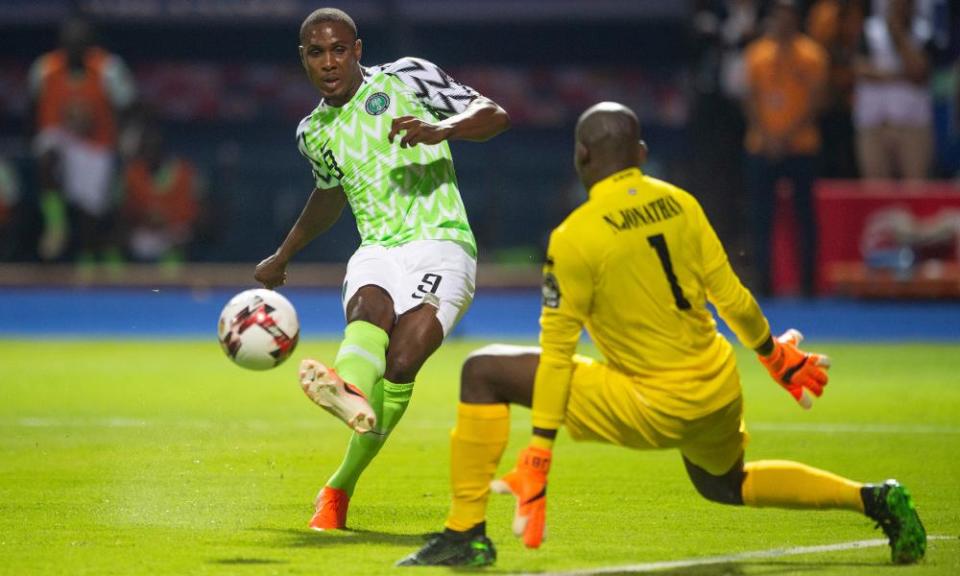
{"x": 528, "y": 483}
{"x": 796, "y": 370}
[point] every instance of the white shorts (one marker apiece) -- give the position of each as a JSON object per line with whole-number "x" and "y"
{"x": 88, "y": 170}
{"x": 436, "y": 272}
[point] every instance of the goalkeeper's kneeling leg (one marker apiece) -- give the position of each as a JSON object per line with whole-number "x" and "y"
{"x": 499, "y": 373}
{"x": 724, "y": 489}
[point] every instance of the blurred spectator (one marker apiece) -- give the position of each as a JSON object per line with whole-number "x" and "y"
{"x": 837, "y": 26}
{"x": 9, "y": 205}
{"x": 739, "y": 27}
{"x": 893, "y": 109}
{"x": 945, "y": 86}
{"x": 786, "y": 81}
{"x": 161, "y": 201}
{"x": 721, "y": 31}
{"x": 78, "y": 94}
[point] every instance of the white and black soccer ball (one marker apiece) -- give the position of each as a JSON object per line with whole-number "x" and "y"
{"x": 258, "y": 329}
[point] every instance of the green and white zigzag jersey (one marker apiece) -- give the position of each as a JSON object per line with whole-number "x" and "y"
{"x": 397, "y": 194}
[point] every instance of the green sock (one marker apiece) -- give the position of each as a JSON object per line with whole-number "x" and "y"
{"x": 362, "y": 357}
{"x": 389, "y": 401}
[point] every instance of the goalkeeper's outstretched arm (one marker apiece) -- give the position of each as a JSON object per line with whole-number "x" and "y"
{"x": 797, "y": 371}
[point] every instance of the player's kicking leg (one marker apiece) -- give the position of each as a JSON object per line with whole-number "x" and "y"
{"x": 785, "y": 484}
{"x": 425, "y": 286}
{"x": 414, "y": 339}
{"x": 342, "y": 399}
{"x": 492, "y": 378}
{"x": 346, "y": 388}
{"x": 351, "y": 390}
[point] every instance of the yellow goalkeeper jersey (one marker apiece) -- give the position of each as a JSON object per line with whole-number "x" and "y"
{"x": 636, "y": 265}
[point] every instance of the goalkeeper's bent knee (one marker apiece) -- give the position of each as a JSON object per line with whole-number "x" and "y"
{"x": 724, "y": 489}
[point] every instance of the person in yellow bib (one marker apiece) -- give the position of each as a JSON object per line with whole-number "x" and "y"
{"x": 636, "y": 265}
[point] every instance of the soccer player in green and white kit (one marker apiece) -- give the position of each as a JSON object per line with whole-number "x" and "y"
{"x": 378, "y": 140}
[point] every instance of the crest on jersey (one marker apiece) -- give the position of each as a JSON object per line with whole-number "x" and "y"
{"x": 377, "y": 104}
{"x": 550, "y": 291}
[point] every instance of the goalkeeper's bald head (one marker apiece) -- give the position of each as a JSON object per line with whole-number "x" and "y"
{"x": 607, "y": 141}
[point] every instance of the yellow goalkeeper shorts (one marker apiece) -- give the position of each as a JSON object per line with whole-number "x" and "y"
{"x": 605, "y": 407}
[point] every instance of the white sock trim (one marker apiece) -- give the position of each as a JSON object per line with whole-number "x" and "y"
{"x": 380, "y": 363}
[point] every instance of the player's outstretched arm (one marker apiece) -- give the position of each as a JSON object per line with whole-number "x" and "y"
{"x": 792, "y": 368}
{"x": 321, "y": 211}
{"x": 481, "y": 120}
{"x": 797, "y": 371}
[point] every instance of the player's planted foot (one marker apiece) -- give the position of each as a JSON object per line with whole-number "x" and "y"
{"x": 892, "y": 507}
{"x": 449, "y": 548}
{"x": 331, "y": 511}
{"x": 342, "y": 399}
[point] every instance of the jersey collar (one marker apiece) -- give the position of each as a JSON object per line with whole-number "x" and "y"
{"x": 616, "y": 181}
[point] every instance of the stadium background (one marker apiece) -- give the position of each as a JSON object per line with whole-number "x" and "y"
{"x": 223, "y": 80}
{"x": 227, "y": 84}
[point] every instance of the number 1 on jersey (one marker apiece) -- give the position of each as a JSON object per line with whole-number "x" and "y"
{"x": 659, "y": 243}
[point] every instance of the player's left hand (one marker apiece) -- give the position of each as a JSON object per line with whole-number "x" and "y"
{"x": 271, "y": 272}
{"x": 795, "y": 369}
{"x": 528, "y": 483}
{"x": 416, "y": 131}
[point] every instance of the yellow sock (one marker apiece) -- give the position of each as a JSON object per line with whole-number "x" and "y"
{"x": 786, "y": 484}
{"x": 541, "y": 442}
{"x": 476, "y": 445}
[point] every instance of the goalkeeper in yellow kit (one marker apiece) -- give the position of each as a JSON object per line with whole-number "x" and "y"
{"x": 636, "y": 265}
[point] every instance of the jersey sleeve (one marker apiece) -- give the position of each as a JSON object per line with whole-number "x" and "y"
{"x": 567, "y": 295}
{"x": 323, "y": 177}
{"x": 118, "y": 82}
{"x": 736, "y": 305}
{"x": 35, "y": 76}
{"x": 440, "y": 93}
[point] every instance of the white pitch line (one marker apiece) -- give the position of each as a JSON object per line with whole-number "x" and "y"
{"x": 725, "y": 559}
{"x": 844, "y": 427}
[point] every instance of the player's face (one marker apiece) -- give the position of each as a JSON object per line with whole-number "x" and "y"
{"x": 331, "y": 57}
{"x": 75, "y": 39}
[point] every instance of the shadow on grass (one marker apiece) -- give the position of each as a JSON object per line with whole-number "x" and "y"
{"x": 294, "y": 538}
{"x": 238, "y": 561}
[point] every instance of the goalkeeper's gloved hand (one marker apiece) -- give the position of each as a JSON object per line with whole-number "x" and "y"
{"x": 795, "y": 369}
{"x": 528, "y": 483}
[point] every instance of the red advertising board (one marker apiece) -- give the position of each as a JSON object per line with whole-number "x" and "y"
{"x": 877, "y": 238}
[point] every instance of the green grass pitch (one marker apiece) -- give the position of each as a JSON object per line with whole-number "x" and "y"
{"x": 163, "y": 458}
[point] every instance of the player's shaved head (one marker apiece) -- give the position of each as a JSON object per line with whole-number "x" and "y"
{"x": 607, "y": 141}
{"x": 321, "y": 15}
{"x": 608, "y": 125}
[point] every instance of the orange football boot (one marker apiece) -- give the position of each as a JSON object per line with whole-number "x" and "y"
{"x": 344, "y": 400}
{"x": 331, "y": 511}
